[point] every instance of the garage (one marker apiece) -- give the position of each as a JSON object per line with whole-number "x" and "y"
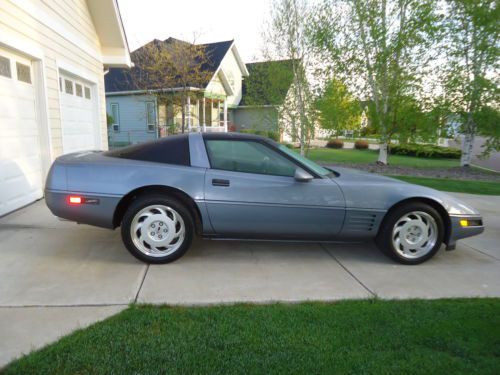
{"x": 79, "y": 117}
{"x": 20, "y": 150}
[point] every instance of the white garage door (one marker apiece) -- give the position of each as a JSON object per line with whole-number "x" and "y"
{"x": 20, "y": 156}
{"x": 80, "y": 124}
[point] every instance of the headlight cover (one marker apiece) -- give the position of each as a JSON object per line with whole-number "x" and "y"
{"x": 455, "y": 207}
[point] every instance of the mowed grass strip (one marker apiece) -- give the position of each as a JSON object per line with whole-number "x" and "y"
{"x": 457, "y": 186}
{"x": 330, "y": 155}
{"x": 459, "y": 336}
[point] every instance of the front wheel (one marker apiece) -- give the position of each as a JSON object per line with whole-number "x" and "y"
{"x": 157, "y": 229}
{"x": 411, "y": 234}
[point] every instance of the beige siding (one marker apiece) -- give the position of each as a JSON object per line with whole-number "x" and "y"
{"x": 82, "y": 53}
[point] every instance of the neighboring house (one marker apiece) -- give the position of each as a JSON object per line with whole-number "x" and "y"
{"x": 264, "y": 92}
{"x": 137, "y": 116}
{"x": 53, "y": 55}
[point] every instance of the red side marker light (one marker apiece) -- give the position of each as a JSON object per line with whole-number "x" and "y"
{"x": 74, "y": 199}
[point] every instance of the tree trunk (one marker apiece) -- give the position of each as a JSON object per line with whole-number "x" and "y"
{"x": 183, "y": 113}
{"x": 382, "y": 153}
{"x": 466, "y": 157}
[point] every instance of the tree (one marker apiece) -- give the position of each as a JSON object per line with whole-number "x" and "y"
{"x": 471, "y": 73}
{"x": 338, "y": 109}
{"x": 286, "y": 38}
{"x": 172, "y": 71}
{"x": 380, "y": 49}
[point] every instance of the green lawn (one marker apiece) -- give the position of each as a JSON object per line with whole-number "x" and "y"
{"x": 458, "y": 186}
{"x": 359, "y": 337}
{"x": 330, "y": 155}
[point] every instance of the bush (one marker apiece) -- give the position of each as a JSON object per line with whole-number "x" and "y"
{"x": 289, "y": 145}
{"x": 425, "y": 150}
{"x": 361, "y": 145}
{"x": 335, "y": 143}
{"x": 274, "y": 135}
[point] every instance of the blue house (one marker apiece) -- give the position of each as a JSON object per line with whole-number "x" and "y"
{"x": 137, "y": 116}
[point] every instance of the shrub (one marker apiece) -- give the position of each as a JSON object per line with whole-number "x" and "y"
{"x": 274, "y": 135}
{"x": 335, "y": 143}
{"x": 425, "y": 150}
{"x": 361, "y": 145}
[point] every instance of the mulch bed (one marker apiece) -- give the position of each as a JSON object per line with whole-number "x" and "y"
{"x": 455, "y": 173}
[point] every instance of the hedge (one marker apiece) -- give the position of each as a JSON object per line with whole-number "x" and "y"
{"x": 425, "y": 150}
{"x": 335, "y": 143}
{"x": 361, "y": 145}
{"x": 275, "y": 136}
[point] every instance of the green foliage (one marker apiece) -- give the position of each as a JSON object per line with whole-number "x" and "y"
{"x": 425, "y": 151}
{"x": 338, "y": 109}
{"x": 361, "y": 145}
{"x": 275, "y": 136}
{"x": 454, "y": 336}
{"x": 335, "y": 143}
{"x": 109, "y": 120}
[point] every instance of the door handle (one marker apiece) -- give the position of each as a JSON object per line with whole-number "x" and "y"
{"x": 220, "y": 182}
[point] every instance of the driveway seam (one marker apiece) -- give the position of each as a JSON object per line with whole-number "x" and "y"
{"x": 480, "y": 251}
{"x": 347, "y": 270}
{"x": 142, "y": 283}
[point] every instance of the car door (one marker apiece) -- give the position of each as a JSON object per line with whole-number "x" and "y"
{"x": 250, "y": 192}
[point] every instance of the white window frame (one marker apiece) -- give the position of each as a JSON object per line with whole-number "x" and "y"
{"x": 148, "y": 124}
{"x": 116, "y": 121}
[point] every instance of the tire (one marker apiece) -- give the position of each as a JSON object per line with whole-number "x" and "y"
{"x": 164, "y": 229}
{"x": 411, "y": 234}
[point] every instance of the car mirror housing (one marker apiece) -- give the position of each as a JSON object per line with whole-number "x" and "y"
{"x": 302, "y": 176}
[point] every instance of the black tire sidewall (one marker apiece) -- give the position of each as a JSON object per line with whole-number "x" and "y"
{"x": 144, "y": 201}
{"x": 384, "y": 237}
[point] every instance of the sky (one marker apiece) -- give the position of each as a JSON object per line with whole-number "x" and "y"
{"x": 200, "y": 20}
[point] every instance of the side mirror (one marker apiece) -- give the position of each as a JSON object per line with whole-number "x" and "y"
{"x": 302, "y": 176}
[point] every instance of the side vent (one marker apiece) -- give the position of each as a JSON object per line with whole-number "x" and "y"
{"x": 363, "y": 222}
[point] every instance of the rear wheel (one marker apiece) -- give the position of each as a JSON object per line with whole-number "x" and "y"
{"x": 157, "y": 229}
{"x": 411, "y": 234}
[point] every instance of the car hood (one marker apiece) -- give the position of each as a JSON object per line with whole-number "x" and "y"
{"x": 366, "y": 190}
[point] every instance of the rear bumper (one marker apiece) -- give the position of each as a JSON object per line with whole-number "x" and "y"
{"x": 99, "y": 212}
{"x": 457, "y": 231}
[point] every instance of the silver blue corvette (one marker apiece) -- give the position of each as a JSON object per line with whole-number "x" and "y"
{"x": 237, "y": 186}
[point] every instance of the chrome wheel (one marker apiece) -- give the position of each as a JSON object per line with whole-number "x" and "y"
{"x": 157, "y": 230}
{"x": 414, "y": 234}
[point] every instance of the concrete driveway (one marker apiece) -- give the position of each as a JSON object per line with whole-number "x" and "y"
{"x": 59, "y": 276}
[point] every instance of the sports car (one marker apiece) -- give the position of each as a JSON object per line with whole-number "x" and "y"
{"x": 246, "y": 187}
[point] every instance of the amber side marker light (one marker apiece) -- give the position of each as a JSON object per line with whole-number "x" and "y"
{"x": 74, "y": 199}
{"x": 464, "y": 223}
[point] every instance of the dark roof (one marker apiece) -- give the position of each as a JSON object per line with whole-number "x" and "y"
{"x": 268, "y": 82}
{"x": 119, "y": 79}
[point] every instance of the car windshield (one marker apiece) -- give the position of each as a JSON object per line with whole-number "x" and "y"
{"x": 308, "y": 163}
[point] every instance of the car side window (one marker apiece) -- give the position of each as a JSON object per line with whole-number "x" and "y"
{"x": 248, "y": 157}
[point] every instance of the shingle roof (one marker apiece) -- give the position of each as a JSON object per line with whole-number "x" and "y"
{"x": 268, "y": 82}
{"x": 118, "y": 79}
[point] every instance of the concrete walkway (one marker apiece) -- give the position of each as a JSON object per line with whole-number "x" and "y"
{"x": 59, "y": 276}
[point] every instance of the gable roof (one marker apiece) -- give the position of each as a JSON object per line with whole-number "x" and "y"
{"x": 268, "y": 83}
{"x": 117, "y": 79}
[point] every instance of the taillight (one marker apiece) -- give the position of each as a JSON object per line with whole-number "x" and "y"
{"x": 75, "y": 199}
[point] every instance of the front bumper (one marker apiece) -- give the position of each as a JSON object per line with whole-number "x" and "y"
{"x": 458, "y": 231}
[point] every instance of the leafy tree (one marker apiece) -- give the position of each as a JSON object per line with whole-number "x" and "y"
{"x": 471, "y": 73}
{"x": 380, "y": 49}
{"x": 286, "y": 38}
{"x": 338, "y": 109}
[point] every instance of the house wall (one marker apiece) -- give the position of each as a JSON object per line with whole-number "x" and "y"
{"x": 132, "y": 118}
{"x": 62, "y": 34}
{"x": 256, "y": 118}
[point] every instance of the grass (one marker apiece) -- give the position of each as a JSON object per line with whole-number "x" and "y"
{"x": 457, "y": 186}
{"x": 460, "y": 336}
{"x": 329, "y": 155}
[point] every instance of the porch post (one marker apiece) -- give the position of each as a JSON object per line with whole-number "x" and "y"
{"x": 189, "y": 113}
{"x": 218, "y": 112}
{"x": 204, "y": 120}
{"x": 198, "y": 114}
{"x": 225, "y": 115}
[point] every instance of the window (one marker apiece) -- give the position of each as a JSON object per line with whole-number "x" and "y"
{"x": 169, "y": 150}
{"x": 68, "y": 86}
{"x": 87, "y": 92}
{"x": 78, "y": 90}
{"x": 115, "y": 113}
{"x": 5, "y": 67}
{"x": 316, "y": 168}
{"x": 23, "y": 72}
{"x": 150, "y": 116}
{"x": 249, "y": 157}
